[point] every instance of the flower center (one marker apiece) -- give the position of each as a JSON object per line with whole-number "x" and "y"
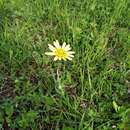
{"x": 60, "y": 53}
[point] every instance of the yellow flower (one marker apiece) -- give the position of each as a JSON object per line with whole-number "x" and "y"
{"x": 60, "y": 52}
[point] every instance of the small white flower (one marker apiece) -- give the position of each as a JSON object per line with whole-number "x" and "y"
{"x": 60, "y": 52}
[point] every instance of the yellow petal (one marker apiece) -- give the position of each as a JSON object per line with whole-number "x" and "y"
{"x": 71, "y": 52}
{"x": 64, "y": 44}
{"x": 56, "y": 58}
{"x": 59, "y": 58}
{"x": 56, "y": 44}
{"x": 69, "y": 58}
{"x": 52, "y": 48}
{"x": 50, "y": 53}
{"x": 67, "y": 48}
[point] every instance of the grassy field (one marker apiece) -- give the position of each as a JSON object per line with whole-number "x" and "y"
{"x": 94, "y": 88}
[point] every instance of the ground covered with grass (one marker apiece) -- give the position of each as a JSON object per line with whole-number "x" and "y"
{"x": 94, "y": 88}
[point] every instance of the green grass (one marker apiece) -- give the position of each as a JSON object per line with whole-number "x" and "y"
{"x": 99, "y": 33}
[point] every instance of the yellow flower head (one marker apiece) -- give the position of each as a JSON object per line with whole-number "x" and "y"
{"x": 60, "y": 52}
